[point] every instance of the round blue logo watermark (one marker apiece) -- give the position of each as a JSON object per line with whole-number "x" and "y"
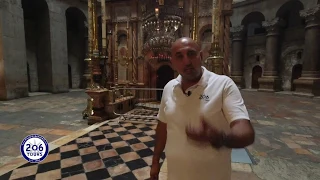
{"x": 34, "y": 148}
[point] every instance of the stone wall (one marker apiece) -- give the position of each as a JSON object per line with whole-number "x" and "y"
{"x": 26, "y": 68}
{"x": 291, "y": 39}
{"x": 13, "y": 79}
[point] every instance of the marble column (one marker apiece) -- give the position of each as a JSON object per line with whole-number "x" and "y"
{"x": 237, "y": 55}
{"x": 309, "y": 83}
{"x": 271, "y": 80}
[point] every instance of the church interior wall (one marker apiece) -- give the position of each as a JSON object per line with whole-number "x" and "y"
{"x": 51, "y": 58}
{"x": 14, "y": 82}
{"x": 291, "y": 37}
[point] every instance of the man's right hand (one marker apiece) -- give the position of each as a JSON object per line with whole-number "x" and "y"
{"x": 154, "y": 173}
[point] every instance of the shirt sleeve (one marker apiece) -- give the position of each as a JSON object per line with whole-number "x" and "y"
{"x": 233, "y": 103}
{"x": 161, "y": 115}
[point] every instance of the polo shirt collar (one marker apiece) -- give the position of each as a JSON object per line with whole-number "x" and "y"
{"x": 202, "y": 82}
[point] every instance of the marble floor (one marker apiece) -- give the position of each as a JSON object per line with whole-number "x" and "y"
{"x": 287, "y": 145}
{"x": 114, "y": 150}
{"x": 51, "y": 115}
{"x": 119, "y": 149}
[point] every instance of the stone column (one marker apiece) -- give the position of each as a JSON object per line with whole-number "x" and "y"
{"x": 271, "y": 80}
{"x": 309, "y": 83}
{"x": 237, "y": 55}
{"x": 13, "y": 61}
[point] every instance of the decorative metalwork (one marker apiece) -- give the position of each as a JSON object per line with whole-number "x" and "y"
{"x": 88, "y": 111}
{"x": 195, "y": 11}
{"x": 161, "y": 24}
{"x": 216, "y": 58}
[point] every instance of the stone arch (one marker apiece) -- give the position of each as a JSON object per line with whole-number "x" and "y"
{"x": 290, "y": 13}
{"x": 82, "y": 7}
{"x": 76, "y": 39}
{"x": 290, "y": 59}
{"x": 38, "y": 44}
{"x": 251, "y": 62}
{"x": 204, "y": 28}
{"x": 121, "y": 33}
{"x": 253, "y": 23}
{"x": 159, "y": 65}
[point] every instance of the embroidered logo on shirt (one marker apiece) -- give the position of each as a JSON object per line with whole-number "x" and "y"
{"x": 204, "y": 97}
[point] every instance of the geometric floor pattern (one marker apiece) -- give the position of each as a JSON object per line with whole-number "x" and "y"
{"x": 111, "y": 151}
{"x": 142, "y": 115}
{"x": 145, "y": 115}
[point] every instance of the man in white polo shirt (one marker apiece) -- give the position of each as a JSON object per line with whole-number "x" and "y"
{"x": 202, "y": 116}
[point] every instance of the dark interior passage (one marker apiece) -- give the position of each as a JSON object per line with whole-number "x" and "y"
{"x": 296, "y": 74}
{"x": 256, "y": 74}
{"x": 164, "y": 75}
{"x": 37, "y": 38}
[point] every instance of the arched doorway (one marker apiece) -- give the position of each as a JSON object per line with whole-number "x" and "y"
{"x": 164, "y": 75}
{"x": 290, "y": 13}
{"x": 296, "y": 73}
{"x": 256, "y": 74}
{"x": 38, "y": 40}
{"x": 253, "y": 24}
{"x": 76, "y": 39}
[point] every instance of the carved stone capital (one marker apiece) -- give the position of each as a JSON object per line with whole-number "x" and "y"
{"x": 4, "y": 5}
{"x": 273, "y": 26}
{"x": 237, "y": 33}
{"x": 311, "y": 16}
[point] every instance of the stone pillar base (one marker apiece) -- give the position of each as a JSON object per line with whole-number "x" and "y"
{"x": 98, "y": 104}
{"x": 307, "y": 86}
{"x": 238, "y": 80}
{"x": 270, "y": 84}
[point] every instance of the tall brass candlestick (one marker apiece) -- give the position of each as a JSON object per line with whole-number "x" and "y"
{"x": 116, "y": 55}
{"x": 195, "y": 20}
{"x": 95, "y": 54}
{"x": 216, "y": 56}
{"x": 89, "y": 53}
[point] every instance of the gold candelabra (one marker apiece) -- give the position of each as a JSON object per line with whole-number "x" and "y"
{"x": 215, "y": 60}
{"x": 195, "y": 20}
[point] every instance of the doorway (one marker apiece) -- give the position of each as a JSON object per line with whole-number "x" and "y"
{"x": 256, "y": 74}
{"x": 29, "y": 79}
{"x": 70, "y": 76}
{"x": 38, "y": 40}
{"x": 296, "y": 74}
{"x": 164, "y": 75}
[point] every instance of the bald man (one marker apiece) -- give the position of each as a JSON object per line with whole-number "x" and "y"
{"x": 202, "y": 116}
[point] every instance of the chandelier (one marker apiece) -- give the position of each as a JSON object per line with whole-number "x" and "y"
{"x": 162, "y": 22}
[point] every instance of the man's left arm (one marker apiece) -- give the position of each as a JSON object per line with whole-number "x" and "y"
{"x": 242, "y": 133}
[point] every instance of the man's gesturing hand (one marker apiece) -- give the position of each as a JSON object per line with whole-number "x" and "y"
{"x": 206, "y": 133}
